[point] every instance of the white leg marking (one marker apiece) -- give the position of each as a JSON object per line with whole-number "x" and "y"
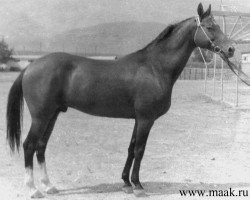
{"x": 29, "y": 182}
{"x": 49, "y": 188}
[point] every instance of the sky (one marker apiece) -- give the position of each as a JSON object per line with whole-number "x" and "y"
{"x": 49, "y": 17}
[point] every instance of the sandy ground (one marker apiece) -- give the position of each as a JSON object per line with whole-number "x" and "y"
{"x": 198, "y": 144}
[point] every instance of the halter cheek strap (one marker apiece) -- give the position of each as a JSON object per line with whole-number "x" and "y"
{"x": 216, "y": 48}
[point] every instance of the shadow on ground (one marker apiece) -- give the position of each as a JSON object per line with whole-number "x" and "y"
{"x": 152, "y": 188}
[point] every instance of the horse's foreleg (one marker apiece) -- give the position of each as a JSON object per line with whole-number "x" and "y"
{"x": 143, "y": 129}
{"x": 126, "y": 171}
{"x": 41, "y": 148}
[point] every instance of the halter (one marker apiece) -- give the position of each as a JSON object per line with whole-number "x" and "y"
{"x": 216, "y": 48}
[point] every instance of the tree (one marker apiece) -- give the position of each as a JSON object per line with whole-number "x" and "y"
{"x": 5, "y": 52}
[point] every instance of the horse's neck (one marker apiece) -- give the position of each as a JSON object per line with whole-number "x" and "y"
{"x": 173, "y": 54}
{"x": 178, "y": 59}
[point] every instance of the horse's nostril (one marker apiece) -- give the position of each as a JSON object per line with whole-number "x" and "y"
{"x": 231, "y": 50}
{"x": 217, "y": 49}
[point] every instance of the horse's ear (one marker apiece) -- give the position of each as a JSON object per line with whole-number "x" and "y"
{"x": 208, "y": 12}
{"x": 200, "y": 11}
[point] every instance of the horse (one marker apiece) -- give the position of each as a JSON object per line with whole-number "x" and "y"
{"x": 137, "y": 86}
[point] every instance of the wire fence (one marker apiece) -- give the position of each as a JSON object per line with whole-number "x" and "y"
{"x": 226, "y": 87}
{"x": 220, "y": 84}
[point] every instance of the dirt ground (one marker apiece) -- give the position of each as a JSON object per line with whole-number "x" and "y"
{"x": 198, "y": 144}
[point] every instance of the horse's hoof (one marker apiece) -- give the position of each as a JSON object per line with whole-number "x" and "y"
{"x": 140, "y": 193}
{"x": 52, "y": 190}
{"x": 127, "y": 189}
{"x": 36, "y": 194}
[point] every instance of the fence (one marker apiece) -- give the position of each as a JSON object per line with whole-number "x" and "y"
{"x": 192, "y": 74}
{"x": 221, "y": 84}
{"x": 200, "y": 73}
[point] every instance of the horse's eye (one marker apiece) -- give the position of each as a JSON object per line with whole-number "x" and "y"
{"x": 209, "y": 27}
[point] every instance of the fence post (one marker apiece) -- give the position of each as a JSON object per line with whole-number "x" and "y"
{"x": 222, "y": 63}
{"x": 214, "y": 74}
{"x": 237, "y": 91}
{"x": 205, "y": 83}
{"x": 222, "y": 80}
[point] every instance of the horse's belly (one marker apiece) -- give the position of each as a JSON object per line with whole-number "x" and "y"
{"x": 121, "y": 111}
{"x": 101, "y": 95}
{"x": 117, "y": 106}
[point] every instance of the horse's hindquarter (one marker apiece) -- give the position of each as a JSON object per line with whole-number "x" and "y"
{"x": 102, "y": 88}
{"x": 44, "y": 81}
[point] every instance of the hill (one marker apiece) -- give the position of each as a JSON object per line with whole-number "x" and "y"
{"x": 109, "y": 38}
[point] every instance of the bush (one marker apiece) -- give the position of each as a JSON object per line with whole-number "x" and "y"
{"x": 10, "y": 66}
{"x": 14, "y": 69}
{"x": 13, "y": 66}
{"x": 3, "y": 67}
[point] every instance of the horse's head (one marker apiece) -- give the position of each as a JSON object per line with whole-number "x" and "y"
{"x": 208, "y": 34}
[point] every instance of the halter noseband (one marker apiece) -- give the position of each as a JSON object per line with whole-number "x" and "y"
{"x": 215, "y": 48}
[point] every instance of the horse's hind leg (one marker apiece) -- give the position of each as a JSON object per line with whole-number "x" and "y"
{"x": 38, "y": 127}
{"x": 40, "y": 153}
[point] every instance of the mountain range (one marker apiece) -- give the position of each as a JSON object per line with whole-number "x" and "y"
{"x": 109, "y": 38}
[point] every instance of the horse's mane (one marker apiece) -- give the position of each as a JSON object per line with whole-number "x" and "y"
{"x": 166, "y": 33}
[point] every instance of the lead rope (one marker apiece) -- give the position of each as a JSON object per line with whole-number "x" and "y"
{"x": 199, "y": 25}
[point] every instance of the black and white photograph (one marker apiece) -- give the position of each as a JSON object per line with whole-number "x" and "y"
{"x": 124, "y": 99}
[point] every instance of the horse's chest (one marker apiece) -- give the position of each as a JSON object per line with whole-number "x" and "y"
{"x": 154, "y": 105}
{"x": 161, "y": 105}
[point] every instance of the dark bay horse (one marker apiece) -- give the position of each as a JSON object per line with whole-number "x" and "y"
{"x": 137, "y": 86}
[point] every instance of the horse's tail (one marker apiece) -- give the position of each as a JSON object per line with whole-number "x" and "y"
{"x": 15, "y": 113}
